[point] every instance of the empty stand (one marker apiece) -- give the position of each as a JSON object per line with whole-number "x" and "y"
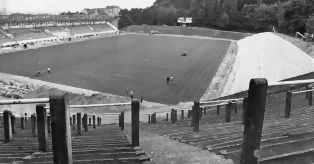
{"x": 101, "y": 27}
{"x": 283, "y": 140}
{"x": 27, "y": 34}
{"x": 66, "y": 142}
{"x": 75, "y": 30}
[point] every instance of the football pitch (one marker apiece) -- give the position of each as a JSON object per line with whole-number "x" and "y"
{"x": 118, "y": 64}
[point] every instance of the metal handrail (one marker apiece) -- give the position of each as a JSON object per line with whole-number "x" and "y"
{"x": 213, "y": 105}
{"x": 24, "y": 101}
{"x": 302, "y": 91}
{"x": 96, "y": 105}
{"x": 292, "y": 82}
{"x": 218, "y": 101}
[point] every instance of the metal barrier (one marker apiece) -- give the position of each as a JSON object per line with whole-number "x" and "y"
{"x": 61, "y": 121}
{"x": 218, "y": 101}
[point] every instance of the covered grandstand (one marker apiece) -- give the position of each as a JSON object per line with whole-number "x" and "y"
{"x": 101, "y": 27}
{"x": 59, "y": 32}
{"x": 77, "y": 30}
{"x": 27, "y": 34}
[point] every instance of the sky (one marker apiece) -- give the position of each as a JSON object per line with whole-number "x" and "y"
{"x": 56, "y": 6}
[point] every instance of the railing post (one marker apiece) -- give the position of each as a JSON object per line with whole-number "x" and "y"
{"x": 167, "y": 117}
{"x": 74, "y": 121}
{"x": 288, "y": 104}
{"x": 26, "y": 122}
{"x": 98, "y": 121}
{"x": 48, "y": 124}
{"x": 235, "y": 107}
{"x": 148, "y": 118}
{"x": 122, "y": 120}
{"x": 13, "y": 124}
{"x": 306, "y": 93}
{"x": 79, "y": 124}
{"x": 254, "y": 118}
{"x": 22, "y": 122}
{"x": 228, "y": 111}
{"x": 218, "y": 109}
{"x": 155, "y": 118}
{"x": 182, "y": 114}
{"x": 172, "y": 116}
{"x": 197, "y": 116}
{"x": 85, "y": 123}
{"x": 7, "y": 126}
{"x": 201, "y": 113}
{"x": 175, "y": 116}
{"x": 60, "y": 128}
{"x": 94, "y": 122}
{"x": 33, "y": 120}
{"x": 244, "y": 106}
{"x": 205, "y": 108}
{"x": 310, "y": 98}
{"x": 135, "y": 109}
{"x": 42, "y": 127}
{"x": 193, "y": 116}
{"x": 152, "y": 118}
{"x": 90, "y": 122}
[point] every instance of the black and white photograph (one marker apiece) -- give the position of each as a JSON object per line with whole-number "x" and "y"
{"x": 156, "y": 81}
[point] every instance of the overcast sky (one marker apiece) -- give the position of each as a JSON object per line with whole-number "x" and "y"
{"x": 56, "y": 6}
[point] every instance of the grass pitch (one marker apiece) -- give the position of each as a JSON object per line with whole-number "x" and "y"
{"x": 128, "y": 62}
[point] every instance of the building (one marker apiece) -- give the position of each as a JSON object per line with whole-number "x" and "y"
{"x": 113, "y": 10}
{"x": 109, "y": 10}
{"x": 185, "y": 21}
{"x": 3, "y": 11}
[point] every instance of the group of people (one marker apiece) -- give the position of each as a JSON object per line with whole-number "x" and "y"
{"x": 170, "y": 79}
{"x": 40, "y": 73}
{"x": 132, "y": 96}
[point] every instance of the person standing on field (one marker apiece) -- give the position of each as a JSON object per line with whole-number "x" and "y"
{"x": 131, "y": 94}
{"x": 142, "y": 98}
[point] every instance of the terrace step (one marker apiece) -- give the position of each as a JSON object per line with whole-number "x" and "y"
{"x": 278, "y": 149}
{"x": 105, "y": 144}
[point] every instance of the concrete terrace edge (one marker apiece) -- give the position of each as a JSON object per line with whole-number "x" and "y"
{"x": 220, "y": 80}
{"x": 182, "y": 36}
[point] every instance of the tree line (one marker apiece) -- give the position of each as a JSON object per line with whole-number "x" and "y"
{"x": 246, "y": 16}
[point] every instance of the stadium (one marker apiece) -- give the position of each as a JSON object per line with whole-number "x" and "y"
{"x": 96, "y": 65}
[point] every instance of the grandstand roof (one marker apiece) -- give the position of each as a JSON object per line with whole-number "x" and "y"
{"x": 269, "y": 56}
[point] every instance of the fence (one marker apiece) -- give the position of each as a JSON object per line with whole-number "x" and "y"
{"x": 61, "y": 123}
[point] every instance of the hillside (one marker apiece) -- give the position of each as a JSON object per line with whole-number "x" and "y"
{"x": 252, "y": 16}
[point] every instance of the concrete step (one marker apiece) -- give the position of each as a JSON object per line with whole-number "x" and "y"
{"x": 105, "y": 144}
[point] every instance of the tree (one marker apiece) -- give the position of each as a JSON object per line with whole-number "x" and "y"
{"x": 296, "y": 15}
{"x": 265, "y": 16}
{"x": 125, "y": 19}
